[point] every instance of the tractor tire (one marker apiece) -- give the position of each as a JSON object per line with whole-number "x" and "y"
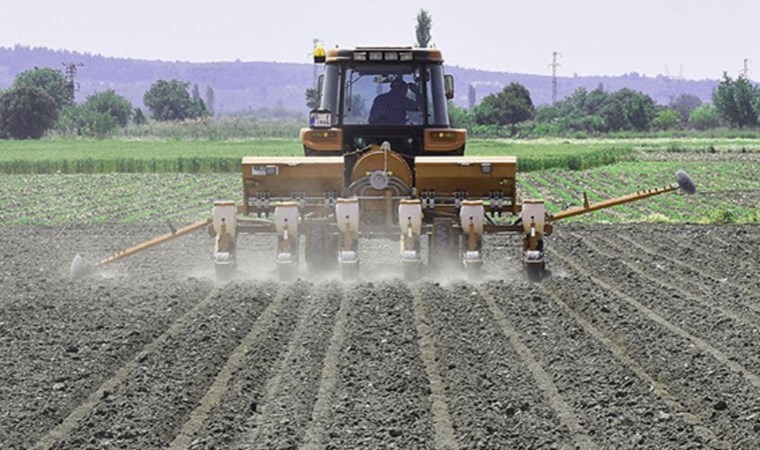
{"x": 445, "y": 244}
{"x": 535, "y": 272}
{"x": 412, "y": 272}
{"x": 286, "y": 272}
{"x": 321, "y": 248}
{"x": 349, "y": 272}
{"x": 224, "y": 272}
{"x": 474, "y": 272}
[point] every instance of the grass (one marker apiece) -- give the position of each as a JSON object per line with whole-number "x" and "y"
{"x": 208, "y": 156}
{"x": 223, "y": 156}
{"x": 135, "y": 156}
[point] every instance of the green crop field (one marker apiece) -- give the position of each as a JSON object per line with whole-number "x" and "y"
{"x": 728, "y": 191}
{"x": 209, "y": 156}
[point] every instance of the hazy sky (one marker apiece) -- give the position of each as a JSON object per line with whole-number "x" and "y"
{"x": 595, "y": 37}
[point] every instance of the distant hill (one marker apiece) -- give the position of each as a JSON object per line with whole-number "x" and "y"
{"x": 252, "y": 85}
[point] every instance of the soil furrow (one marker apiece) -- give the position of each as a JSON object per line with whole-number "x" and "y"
{"x": 686, "y": 269}
{"x": 381, "y": 396}
{"x": 697, "y": 283}
{"x": 673, "y": 403}
{"x": 290, "y": 394}
{"x": 444, "y": 431}
{"x": 491, "y": 396}
{"x": 221, "y": 383}
{"x": 253, "y": 365}
{"x": 63, "y": 429}
{"x": 567, "y": 415}
{"x": 315, "y": 435}
{"x": 735, "y": 259}
{"x": 710, "y": 385}
{"x": 738, "y": 245}
{"x": 649, "y": 341}
{"x": 147, "y": 408}
{"x": 612, "y": 404}
{"x": 735, "y": 335}
{"x": 739, "y": 309}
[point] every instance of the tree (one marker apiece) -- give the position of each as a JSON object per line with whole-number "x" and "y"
{"x": 312, "y": 98}
{"x": 110, "y": 103}
{"x": 210, "y": 99}
{"x": 50, "y": 81}
{"x": 735, "y": 101}
{"x": 26, "y": 112}
{"x": 639, "y": 110}
{"x": 509, "y": 107}
{"x": 195, "y": 94}
{"x": 667, "y": 119}
{"x": 170, "y": 100}
{"x": 103, "y": 112}
{"x": 70, "y": 120}
{"x": 613, "y": 115}
{"x": 138, "y": 117}
{"x": 424, "y": 24}
{"x": 595, "y": 100}
{"x": 627, "y": 110}
{"x": 459, "y": 117}
{"x": 685, "y": 104}
{"x": 704, "y": 117}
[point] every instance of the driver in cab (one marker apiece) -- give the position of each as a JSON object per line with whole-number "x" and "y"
{"x": 391, "y": 108}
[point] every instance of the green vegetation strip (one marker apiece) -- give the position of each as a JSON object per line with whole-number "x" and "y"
{"x": 223, "y": 156}
{"x": 136, "y": 156}
{"x": 210, "y": 156}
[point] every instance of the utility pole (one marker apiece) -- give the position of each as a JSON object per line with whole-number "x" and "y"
{"x": 554, "y": 65}
{"x": 71, "y": 74}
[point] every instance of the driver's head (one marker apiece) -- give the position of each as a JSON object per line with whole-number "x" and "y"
{"x": 398, "y": 85}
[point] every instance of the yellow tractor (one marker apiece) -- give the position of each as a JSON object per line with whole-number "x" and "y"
{"x": 382, "y": 160}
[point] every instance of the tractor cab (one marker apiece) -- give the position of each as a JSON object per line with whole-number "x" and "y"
{"x": 372, "y": 95}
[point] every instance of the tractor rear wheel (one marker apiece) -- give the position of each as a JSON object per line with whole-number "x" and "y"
{"x": 474, "y": 271}
{"x": 321, "y": 251}
{"x": 349, "y": 271}
{"x": 286, "y": 272}
{"x": 535, "y": 271}
{"x": 412, "y": 271}
{"x": 443, "y": 253}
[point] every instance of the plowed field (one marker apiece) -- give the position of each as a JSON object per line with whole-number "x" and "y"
{"x": 644, "y": 336}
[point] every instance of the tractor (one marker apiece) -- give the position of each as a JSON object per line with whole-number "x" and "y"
{"x": 381, "y": 159}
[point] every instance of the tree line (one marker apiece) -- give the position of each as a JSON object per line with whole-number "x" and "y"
{"x": 735, "y": 104}
{"x": 42, "y": 99}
